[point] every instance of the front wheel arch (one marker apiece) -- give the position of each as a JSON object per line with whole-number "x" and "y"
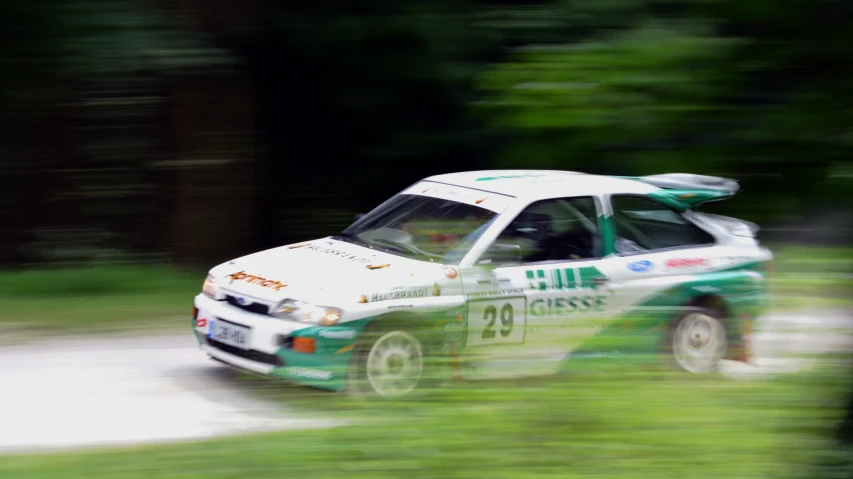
{"x": 425, "y": 329}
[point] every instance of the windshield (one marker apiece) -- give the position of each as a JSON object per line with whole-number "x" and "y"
{"x": 421, "y": 227}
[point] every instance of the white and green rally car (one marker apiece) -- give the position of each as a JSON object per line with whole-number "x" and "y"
{"x": 496, "y": 273}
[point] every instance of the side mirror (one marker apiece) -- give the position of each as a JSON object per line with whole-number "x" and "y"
{"x": 501, "y": 254}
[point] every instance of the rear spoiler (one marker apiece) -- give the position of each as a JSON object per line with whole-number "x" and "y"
{"x": 685, "y": 190}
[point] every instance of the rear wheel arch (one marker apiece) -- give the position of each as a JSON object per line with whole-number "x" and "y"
{"x": 713, "y": 302}
{"x": 710, "y": 304}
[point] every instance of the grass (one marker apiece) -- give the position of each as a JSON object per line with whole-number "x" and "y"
{"x": 812, "y": 277}
{"x": 614, "y": 423}
{"x": 97, "y": 299}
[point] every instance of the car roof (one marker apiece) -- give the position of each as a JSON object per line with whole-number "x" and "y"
{"x": 542, "y": 183}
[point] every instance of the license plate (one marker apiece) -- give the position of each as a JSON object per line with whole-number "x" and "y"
{"x": 230, "y": 334}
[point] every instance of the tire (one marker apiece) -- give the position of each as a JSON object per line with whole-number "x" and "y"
{"x": 390, "y": 361}
{"x": 697, "y": 341}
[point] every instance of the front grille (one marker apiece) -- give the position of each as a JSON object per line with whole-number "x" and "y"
{"x": 257, "y": 308}
{"x": 251, "y": 354}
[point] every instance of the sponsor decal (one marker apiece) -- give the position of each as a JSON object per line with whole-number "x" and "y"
{"x": 574, "y": 324}
{"x": 378, "y": 266}
{"x": 641, "y": 266}
{"x": 298, "y": 246}
{"x": 675, "y": 263}
{"x": 461, "y": 194}
{"x": 337, "y": 333}
{"x": 201, "y": 322}
{"x": 258, "y": 280}
{"x": 338, "y": 253}
{"x": 562, "y": 279}
{"x": 399, "y": 294}
{"x": 567, "y": 305}
{"x": 401, "y": 306}
{"x": 496, "y": 294}
{"x": 450, "y": 272}
{"x": 494, "y": 282}
{"x": 436, "y": 290}
{"x": 309, "y": 373}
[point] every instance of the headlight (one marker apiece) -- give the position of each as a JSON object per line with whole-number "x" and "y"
{"x": 307, "y": 313}
{"x": 209, "y": 286}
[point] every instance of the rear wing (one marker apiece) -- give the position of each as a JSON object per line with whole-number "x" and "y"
{"x": 685, "y": 190}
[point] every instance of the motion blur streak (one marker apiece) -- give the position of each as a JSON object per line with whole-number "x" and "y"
{"x": 143, "y": 141}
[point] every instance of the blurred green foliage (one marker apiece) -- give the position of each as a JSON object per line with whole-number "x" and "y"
{"x": 751, "y": 92}
{"x": 359, "y": 100}
{"x": 108, "y": 298}
{"x": 95, "y": 281}
{"x": 48, "y": 43}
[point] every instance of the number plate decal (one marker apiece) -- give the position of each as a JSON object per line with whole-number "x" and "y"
{"x": 497, "y": 321}
{"x": 230, "y": 333}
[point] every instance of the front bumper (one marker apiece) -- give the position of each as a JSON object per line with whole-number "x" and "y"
{"x": 270, "y": 350}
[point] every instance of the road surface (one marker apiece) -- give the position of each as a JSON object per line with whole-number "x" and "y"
{"x": 115, "y": 391}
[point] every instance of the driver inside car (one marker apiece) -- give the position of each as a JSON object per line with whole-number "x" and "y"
{"x": 535, "y": 234}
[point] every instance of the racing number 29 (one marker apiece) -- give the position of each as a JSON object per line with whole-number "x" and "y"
{"x": 496, "y": 321}
{"x": 491, "y": 315}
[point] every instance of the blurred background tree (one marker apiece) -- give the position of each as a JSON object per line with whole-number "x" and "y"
{"x": 192, "y": 131}
{"x": 83, "y": 100}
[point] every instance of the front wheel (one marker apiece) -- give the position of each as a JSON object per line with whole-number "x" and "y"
{"x": 698, "y": 341}
{"x": 390, "y": 366}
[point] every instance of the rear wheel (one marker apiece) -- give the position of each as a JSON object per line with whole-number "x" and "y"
{"x": 698, "y": 341}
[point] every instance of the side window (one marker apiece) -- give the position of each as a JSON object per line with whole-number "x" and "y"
{"x": 561, "y": 229}
{"x": 643, "y": 224}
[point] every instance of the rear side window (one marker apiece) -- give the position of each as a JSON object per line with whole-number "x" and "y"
{"x": 643, "y": 224}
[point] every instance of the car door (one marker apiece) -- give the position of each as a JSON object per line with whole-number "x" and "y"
{"x": 538, "y": 291}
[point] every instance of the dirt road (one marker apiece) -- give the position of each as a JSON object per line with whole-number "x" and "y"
{"x": 84, "y": 393}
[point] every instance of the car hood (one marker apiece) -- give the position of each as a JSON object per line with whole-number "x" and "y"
{"x": 323, "y": 271}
